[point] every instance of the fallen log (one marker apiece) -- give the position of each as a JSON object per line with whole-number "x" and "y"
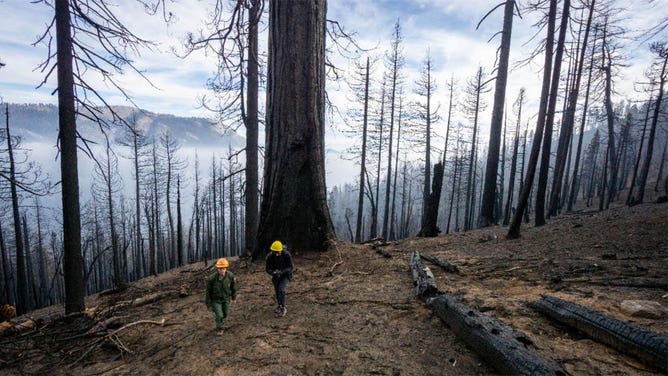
{"x": 8, "y": 327}
{"x": 649, "y": 347}
{"x": 383, "y": 252}
{"x": 379, "y": 244}
{"x": 504, "y": 348}
{"x": 140, "y": 301}
{"x": 423, "y": 279}
{"x": 645, "y": 283}
{"x": 448, "y": 267}
{"x": 374, "y": 240}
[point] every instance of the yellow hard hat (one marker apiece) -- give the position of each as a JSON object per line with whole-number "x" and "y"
{"x": 7, "y": 311}
{"x": 222, "y": 263}
{"x": 276, "y": 246}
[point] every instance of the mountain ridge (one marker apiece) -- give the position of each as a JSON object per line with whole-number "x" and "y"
{"x": 38, "y": 122}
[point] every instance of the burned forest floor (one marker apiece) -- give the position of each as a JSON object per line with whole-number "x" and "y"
{"x": 352, "y": 311}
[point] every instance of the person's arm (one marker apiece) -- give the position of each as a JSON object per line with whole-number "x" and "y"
{"x": 233, "y": 287}
{"x": 207, "y": 299}
{"x": 268, "y": 266}
{"x": 288, "y": 264}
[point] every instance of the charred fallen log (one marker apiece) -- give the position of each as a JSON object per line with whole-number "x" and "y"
{"x": 507, "y": 350}
{"x": 425, "y": 284}
{"x": 448, "y": 267}
{"x": 374, "y": 240}
{"x": 649, "y": 347}
{"x": 383, "y": 252}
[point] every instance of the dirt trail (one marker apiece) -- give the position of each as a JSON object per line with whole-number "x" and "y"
{"x": 353, "y": 312}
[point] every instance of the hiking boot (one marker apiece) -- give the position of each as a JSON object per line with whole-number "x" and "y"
{"x": 220, "y": 331}
{"x": 282, "y": 311}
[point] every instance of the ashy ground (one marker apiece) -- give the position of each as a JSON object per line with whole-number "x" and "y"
{"x": 352, "y": 311}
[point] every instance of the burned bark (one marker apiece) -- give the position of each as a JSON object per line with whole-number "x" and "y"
{"x": 448, "y": 267}
{"x": 429, "y": 228}
{"x": 649, "y": 347}
{"x": 425, "y": 283}
{"x": 507, "y": 350}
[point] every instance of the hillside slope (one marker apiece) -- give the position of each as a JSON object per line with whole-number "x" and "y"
{"x": 353, "y": 312}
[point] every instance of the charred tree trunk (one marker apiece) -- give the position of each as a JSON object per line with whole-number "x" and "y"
{"x": 541, "y": 188}
{"x": 566, "y": 132}
{"x": 429, "y": 227}
{"x": 294, "y": 203}
{"x": 513, "y": 161}
{"x": 507, "y": 350}
{"x": 516, "y": 223}
{"x": 489, "y": 194}
{"x": 650, "y": 347}
{"x": 67, "y": 137}
{"x": 22, "y": 296}
{"x": 252, "y": 135}
{"x": 448, "y": 267}
{"x": 360, "y": 198}
{"x": 576, "y": 169}
{"x": 423, "y": 279}
{"x": 663, "y": 52}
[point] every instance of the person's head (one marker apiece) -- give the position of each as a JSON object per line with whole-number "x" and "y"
{"x": 276, "y": 248}
{"x": 222, "y": 264}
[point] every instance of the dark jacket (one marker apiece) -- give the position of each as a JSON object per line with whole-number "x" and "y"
{"x": 220, "y": 288}
{"x": 282, "y": 263}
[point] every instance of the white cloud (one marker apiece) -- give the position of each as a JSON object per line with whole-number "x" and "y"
{"x": 446, "y": 27}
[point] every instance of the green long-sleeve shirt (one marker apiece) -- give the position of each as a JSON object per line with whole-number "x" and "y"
{"x": 220, "y": 288}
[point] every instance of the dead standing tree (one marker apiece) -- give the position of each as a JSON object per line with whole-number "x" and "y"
{"x": 566, "y": 132}
{"x": 294, "y": 203}
{"x": 394, "y": 61}
{"x": 24, "y": 177}
{"x": 541, "y": 188}
{"x": 525, "y": 191}
{"x": 425, "y": 88}
{"x": 89, "y": 39}
{"x": 661, "y": 50}
{"x": 487, "y": 216}
{"x": 233, "y": 38}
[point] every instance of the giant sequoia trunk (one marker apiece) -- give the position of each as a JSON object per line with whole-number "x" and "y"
{"x": 294, "y": 202}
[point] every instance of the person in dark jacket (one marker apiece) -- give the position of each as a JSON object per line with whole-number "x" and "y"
{"x": 221, "y": 289}
{"x": 279, "y": 266}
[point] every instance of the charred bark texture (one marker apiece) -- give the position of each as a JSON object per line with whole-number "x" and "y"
{"x": 425, "y": 284}
{"x": 507, "y": 350}
{"x": 294, "y": 203}
{"x": 448, "y": 267}
{"x": 429, "y": 228}
{"x": 649, "y": 347}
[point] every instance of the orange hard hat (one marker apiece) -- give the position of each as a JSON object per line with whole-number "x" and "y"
{"x": 222, "y": 263}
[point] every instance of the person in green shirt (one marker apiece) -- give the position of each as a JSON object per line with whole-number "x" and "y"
{"x": 221, "y": 289}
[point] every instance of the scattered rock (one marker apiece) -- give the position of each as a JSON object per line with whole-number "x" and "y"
{"x": 642, "y": 308}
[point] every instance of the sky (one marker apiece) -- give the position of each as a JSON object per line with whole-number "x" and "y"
{"x": 445, "y": 28}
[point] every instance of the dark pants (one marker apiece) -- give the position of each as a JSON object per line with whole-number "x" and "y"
{"x": 279, "y": 286}
{"x": 220, "y": 311}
